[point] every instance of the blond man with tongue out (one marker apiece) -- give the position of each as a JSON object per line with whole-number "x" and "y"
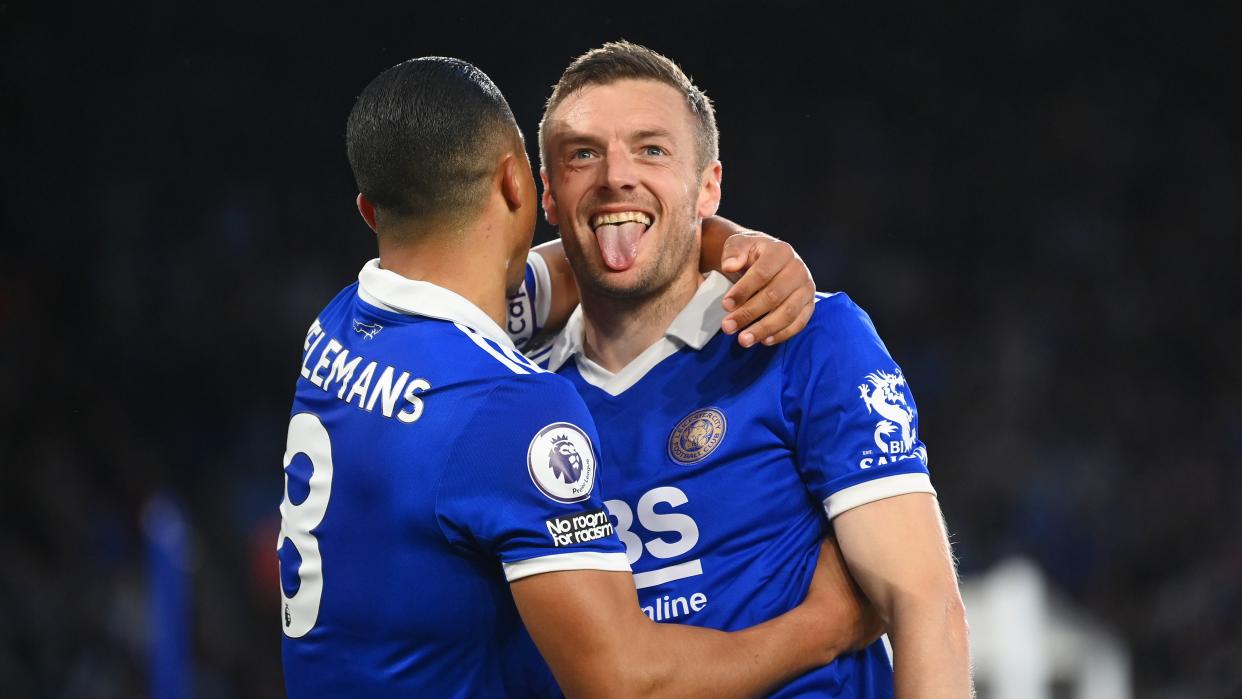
{"x": 730, "y": 465}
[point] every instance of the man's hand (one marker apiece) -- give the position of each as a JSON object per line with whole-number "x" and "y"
{"x": 774, "y": 298}
{"x": 839, "y": 605}
{"x": 773, "y": 295}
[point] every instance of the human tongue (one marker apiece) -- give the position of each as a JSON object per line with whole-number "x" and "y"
{"x": 618, "y": 242}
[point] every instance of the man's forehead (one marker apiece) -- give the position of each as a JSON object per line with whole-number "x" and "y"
{"x": 641, "y": 106}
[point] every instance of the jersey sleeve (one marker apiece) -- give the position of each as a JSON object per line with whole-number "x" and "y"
{"x": 525, "y": 491}
{"x": 853, "y": 415}
{"x": 529, "y": 307}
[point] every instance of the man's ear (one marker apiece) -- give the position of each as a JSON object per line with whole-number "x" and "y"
{"x": 549, "y": 204}
{"x": 709, "y": 192}
{"x": 512, "y": 181}
{"x": 367, "y": 209}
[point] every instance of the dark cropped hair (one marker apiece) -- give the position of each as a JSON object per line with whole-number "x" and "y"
{"x": 623, "y": 60}
{"x": 423, "y": 138}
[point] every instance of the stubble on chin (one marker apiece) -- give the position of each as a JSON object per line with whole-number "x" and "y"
{"x": 659, "y": 272}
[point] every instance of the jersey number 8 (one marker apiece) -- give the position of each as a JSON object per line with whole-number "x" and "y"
{"x": 300, "y": 609}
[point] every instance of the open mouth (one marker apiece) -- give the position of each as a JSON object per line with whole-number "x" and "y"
{"x": 618, "y": 234}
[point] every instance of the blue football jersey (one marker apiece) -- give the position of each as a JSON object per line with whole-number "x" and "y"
{"x": 429, "y": 464}
{"x": 727, "y": 464}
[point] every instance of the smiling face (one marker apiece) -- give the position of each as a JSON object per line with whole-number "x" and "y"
{"x": 624, "y": 183}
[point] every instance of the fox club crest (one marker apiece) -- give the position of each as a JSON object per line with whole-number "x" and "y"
{"x": 367, "y": 330}
{"x": 697, "y": 436}
{"x": 561, "y": 462}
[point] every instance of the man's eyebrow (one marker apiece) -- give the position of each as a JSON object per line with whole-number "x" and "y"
{"x": 567, "y": 136}
{"x": 653, "y": 133}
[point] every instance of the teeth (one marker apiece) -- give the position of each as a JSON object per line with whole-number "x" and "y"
{"x": 620, "y": 217}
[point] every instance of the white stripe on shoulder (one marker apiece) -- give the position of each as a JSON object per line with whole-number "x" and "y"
{"x": 821, "y": 295}
{"x": 578, "y": 560}
{"x": 523, "y": 360}
{"x": 482, "y": 343}
{"x": 878, "y": 489}
{"x": 540, "y": 355}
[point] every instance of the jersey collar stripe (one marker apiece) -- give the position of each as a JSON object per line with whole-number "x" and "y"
{"x": 540, "y": 355}
{"x": 630, "y": 374}
{"x": 478, "y": 339}
{"x": 700, "y": 320}
{"x": 387, "y": 289}
{"x": 523, "y": 360}
{"x": 694, "y": 327}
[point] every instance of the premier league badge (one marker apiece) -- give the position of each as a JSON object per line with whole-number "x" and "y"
{"x": 697, "y": 435}
{"x": 561, "y": 461}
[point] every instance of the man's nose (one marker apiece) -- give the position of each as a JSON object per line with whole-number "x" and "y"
{"x": 619, "y": 171}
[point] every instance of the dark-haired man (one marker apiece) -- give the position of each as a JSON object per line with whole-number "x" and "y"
{"x": 440, "y": 487}
{"x": 722, "y": 508}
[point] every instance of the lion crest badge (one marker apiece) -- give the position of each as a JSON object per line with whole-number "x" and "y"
{"x": 561, "y": 462}
{"x": 697, "y": 436}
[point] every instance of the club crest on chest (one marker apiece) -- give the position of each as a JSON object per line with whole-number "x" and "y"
{"x": 697, "y": 435}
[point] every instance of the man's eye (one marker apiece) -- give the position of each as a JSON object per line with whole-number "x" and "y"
{"x": 582, "y": 154}
{"x": 653, "y": 150}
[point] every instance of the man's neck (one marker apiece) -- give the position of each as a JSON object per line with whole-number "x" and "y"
{"x": 616, "y": 331}
{"x": 470, "y": 264}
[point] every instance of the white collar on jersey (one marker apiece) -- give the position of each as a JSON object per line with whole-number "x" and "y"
{"x": 385, "y": 289}
{"x": 697, "y": 323}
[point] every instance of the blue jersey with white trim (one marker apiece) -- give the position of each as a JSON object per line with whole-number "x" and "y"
{"x": 727, "y": 462}
{"x": 428, "y": 466}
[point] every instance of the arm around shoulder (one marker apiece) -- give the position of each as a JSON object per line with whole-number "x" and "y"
{"x": 564, "y": 288}
{"x": 588, "y": 626}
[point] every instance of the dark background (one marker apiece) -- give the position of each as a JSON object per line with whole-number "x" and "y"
{"x": 1038, "y": 203}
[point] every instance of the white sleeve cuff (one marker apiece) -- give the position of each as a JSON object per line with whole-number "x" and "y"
{"x": 878, "y": 489}
{"x": 543, "y": 288}
{"x": 578, "y": 560}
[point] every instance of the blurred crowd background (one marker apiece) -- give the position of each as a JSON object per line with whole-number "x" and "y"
{"x": 1039, "y": 204}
